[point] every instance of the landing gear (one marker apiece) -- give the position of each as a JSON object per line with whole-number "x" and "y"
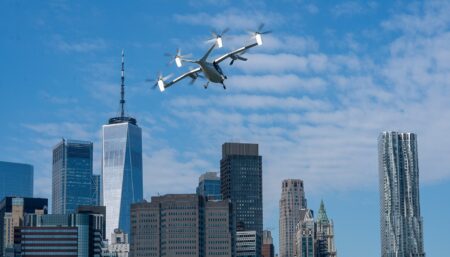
{"x": 224, "y": 87}
{"x": 206, "y": 85}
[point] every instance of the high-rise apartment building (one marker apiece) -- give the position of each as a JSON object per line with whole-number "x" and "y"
{"x": 185, "y": 225}
{"x": 268, "y": 249}
{"x": 122, "y": 167}
{"x": 76, "y": 234}
{"x": 209, "y": 186}
{"x": 16, "y": 179}
{"x": 291, "y": 202}
{"x": 401, "y": 222}
{"x": 241, "y": 183}
{"x": 12, "y": 212}
{"x": 71, "y": 176}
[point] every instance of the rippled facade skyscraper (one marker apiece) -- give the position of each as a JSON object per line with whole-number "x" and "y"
{"x": 121, "y": 168}
{"x": 401, "y": 223}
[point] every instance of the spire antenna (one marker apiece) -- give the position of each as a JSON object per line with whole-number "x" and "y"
{"x": 122, "y": 88}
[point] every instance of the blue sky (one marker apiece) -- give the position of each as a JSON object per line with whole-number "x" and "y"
{"x": 315, "y": 96}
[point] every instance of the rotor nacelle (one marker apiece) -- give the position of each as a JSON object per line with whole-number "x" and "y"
{"x": 161, "y": 85}
{"x": 178, "y": 61}
{"x": 258, "y": 38}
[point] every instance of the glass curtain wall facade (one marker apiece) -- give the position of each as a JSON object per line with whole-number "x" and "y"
{"x": 209, "y": 186}
{"x": 401, "y": 223}
{"x": 241, "y": 183}
{"x": 121, "y": 171}
{"x": 16, "y": 179}
{"x": 72, "y": 175}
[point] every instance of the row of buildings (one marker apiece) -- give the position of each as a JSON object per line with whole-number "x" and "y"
{"x": 106, "y": 214}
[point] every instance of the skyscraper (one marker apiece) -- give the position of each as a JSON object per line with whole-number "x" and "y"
{"x": 291, "y": 202}
{"x": 209, "y": 186}
{"x": 72, "y": 175}
{"x": 401, "y": 223}
{"x": 96, "y": 190}
{"x": 16, "y": 179}
{"x": 325, "y": 234}
{"x": 241, "y": 182}
{"x": 122, "y": 167}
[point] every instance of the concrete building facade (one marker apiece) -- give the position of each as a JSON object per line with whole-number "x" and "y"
{"x": 185, "y": 225}
{"x": 291, "y": 202}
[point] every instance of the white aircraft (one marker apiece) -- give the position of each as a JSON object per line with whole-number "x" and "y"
{"x": 211, "y": 70}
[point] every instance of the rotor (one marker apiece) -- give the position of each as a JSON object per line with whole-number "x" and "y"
{"x": 257, "y": 34}
{"x": 217, "y": 37}
{"x": 178, "y": 58}
{"x": 160, "y": 82}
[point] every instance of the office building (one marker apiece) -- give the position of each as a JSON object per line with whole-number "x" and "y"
{"x": 16, "y": 179}
{"x": 209, "y": 186}
{"x": 246, "y": 244}
{"x": 12, "y": 212}
{"x": 314, "y": 238}
{"x": 305, "y": 240}
{"x": 96, "y": 190}
{"x": 122, "y": 167}
{"x": 291, "y": 202}
{"x": 325, "y": 246}
{"x": 93, "y": 209}
{"x": 401, "y": 222}
{"x": 241, "y": 183}
{"x": 186, "y": 225}
{"x": 60, "y": 235}
{"x": 71, "y": 175}
{"x": 268, "y": 249}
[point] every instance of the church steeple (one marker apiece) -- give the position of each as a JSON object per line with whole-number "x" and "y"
{"x": 322, "y": 216}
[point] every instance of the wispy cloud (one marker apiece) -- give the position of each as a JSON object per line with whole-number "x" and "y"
{"x": 352, "y": 8}
{"x": 83, "y": 46}
{"x": 233, "y": 18}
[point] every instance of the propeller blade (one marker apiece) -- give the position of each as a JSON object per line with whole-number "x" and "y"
{"x": 261, "y": 26}
{"x": 167, "y": 77}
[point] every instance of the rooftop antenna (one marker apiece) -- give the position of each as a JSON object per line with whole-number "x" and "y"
{"x": 122, "y": 89}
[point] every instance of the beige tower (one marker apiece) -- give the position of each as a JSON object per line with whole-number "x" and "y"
{"x": 291, "y": 202}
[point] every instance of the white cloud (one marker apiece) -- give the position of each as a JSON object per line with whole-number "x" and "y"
{"x": 252, "y": 102}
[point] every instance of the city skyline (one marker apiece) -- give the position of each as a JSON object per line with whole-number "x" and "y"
{"x": 334, "y": 76}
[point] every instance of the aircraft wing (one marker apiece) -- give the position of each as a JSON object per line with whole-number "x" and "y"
{"x": 234, "y": 53}
{"x": 192, "y": 73}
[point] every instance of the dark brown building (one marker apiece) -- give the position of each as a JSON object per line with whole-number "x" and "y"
{"x": 267, "y": 247}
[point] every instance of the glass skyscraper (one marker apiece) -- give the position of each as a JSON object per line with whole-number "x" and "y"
{"x": 122, "y": 168}
{"x": 72, "y": 176}
{"x": 241, "y": 182}
{"x": 401, "y": 223}
{"x": 209, "y": 186}
{"x": 16, "y": 179}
